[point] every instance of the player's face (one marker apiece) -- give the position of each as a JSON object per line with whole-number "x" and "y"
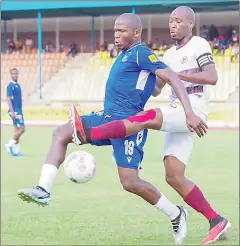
{"x": 14, "y": 75}
{"x": 179, "y": 26}
{"x": 123, "y": 35}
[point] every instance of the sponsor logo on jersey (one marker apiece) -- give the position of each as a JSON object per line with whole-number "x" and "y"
{"x": 153, "y": 58}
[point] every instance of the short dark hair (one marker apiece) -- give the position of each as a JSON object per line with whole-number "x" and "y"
{"x": 13, "y": 69}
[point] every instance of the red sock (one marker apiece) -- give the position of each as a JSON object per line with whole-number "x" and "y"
{"x": 197, "y": 201}
{"x": 114, "y": 129}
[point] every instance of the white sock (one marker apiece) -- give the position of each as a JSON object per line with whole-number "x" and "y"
{"x": 164, "y": 205}
{"x": 16, "y": 148}
{"x": 48, "y": 175}
{"x": 11, "y": 142}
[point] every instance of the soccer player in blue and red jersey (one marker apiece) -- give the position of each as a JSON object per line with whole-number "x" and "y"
{"x": 14, "y": 99}
{"x": 130, "y": 84}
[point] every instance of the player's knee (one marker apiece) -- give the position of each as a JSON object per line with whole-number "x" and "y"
{"x": 63, "y": 134}
{"x": 155, "y": 123}
{"x": 130, "y": 184}
{"x": 21, "y": 130}
{"x": 173, "y": 180}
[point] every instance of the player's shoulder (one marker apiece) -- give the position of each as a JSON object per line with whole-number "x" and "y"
{"x": 169, "y": 52}
{"x": 197, "y": 40}
{"x": 143, "y": 48}
{"x": 10, "y": 84}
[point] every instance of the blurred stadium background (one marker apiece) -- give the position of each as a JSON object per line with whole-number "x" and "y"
{"x": 64, "y": 51}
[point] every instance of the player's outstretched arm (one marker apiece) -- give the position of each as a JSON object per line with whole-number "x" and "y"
{"x": 194, "y": 122}
{"x": 9, "y": 95}
{"x": 158, "y": 87}
{"x": 208, "y": 76}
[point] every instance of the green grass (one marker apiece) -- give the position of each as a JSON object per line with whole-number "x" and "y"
{"x": 100, "y": 212}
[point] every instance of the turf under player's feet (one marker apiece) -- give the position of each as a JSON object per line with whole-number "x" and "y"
{"x": 218, "y": 226}
{"x": 7, "y": 148}
{"x": 19, "y": 154}
{"x": 180, "y": 226}
{"x": 36, "y": 195}
{"x": 80, "y": 132}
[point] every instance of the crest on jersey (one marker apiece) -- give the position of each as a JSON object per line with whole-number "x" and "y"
{"x": 126, "y": 57}
{"x": 153, "y": 58}
{"x": 183, "y": 60}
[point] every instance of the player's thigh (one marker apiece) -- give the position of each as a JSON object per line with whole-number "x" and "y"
{"x": 174, "y": 118}
{"x": 128, "y": 152}
{"x": 19, "y": 122}
{"x": 179, "y": 145}
{"x": 95, "y": 119}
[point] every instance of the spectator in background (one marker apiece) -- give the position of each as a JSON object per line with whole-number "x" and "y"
{"x": 72, "y": 49}
{"x": 156, "y": 45}
{"x": 204, "y": 32}
{"x": 61, "y": 48}
{"x": 215, "y": 43}
{"x": 222, "y": 34}
{"x": 223, "y": 45}
{"x": 229, "y": 32}
{"x": 213, "y": 32}
{"x": 19, "y": 45}
{"x": 112, "y": 50}
{"x": 101, "y": 48}
{"x": 96, "y": 47}
{"x": 149, "y": 45}
{"x": 234, "y": 41}
{"x": 29, "y": 44}
{"x": 234, "y": 37}
{"x": 105, "y": 45}
{"x": 164, "y": 45}
{"x": 49, "y": 47}
{"x": 11, "y": 46}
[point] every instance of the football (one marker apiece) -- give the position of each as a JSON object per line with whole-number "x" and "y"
{"x": 80, "y": 167}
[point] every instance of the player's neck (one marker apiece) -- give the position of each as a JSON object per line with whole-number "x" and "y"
{"x": 134, "y": 44}
{"x": 182, "y": 42}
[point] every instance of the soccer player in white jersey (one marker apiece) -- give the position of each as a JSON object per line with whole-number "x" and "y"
{"x": 192, "y": 59}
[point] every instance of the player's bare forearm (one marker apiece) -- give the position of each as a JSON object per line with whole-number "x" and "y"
{"x": 208, "y": 76}
{"x": 173, "y": 80}
{"x": 158, "y": 87}
{"x": 10, "y": 104}
{"x": 157, "y": 91}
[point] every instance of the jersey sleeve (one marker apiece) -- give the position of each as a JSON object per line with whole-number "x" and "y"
{"x": 9, "y": 91}
{"x": 203, "y": 53}
{"x": 147, "y": 60}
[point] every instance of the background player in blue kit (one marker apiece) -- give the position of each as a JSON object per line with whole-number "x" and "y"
{"x": 130, "y": 84}
{"x": 14, "y": 99}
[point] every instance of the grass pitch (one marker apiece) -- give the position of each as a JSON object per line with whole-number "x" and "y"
{"x": 100, "y": 212}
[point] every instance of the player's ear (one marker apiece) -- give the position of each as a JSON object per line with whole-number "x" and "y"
{"x": 192, "y": 23}
{"x": 137, "y": 33}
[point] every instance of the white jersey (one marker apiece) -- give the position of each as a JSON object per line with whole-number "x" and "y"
{"x": 190, "y": 58}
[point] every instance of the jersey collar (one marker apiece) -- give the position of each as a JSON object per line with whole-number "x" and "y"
{"x": 133, "y": 47}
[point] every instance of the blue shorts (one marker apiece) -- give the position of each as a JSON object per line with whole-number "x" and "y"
{"x": 128, "y": 152}
{"x": 19, "y": 121}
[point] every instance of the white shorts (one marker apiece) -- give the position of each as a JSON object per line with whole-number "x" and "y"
{"x": 178, "y": 139}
